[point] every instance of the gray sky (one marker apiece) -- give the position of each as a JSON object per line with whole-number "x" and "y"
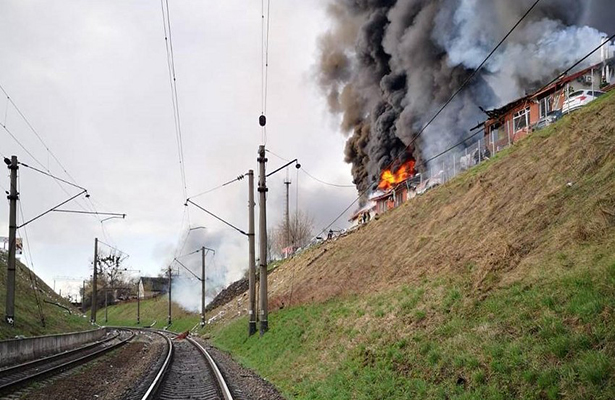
{"x": 91, "y": 77}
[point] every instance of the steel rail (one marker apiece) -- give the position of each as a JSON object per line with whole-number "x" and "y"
{"x": 155, "y": 387}
{"x": 43, "y": 360}
{"x": 151, "y": 391}
{"x": 221, "y": 382}
{"x": 20, "y": 381}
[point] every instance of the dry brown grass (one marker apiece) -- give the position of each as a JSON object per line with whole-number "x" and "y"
{"x": 552, "y": 189}
{"x": 497, "y": 216}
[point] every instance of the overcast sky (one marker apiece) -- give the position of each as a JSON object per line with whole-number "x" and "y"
{"x": 92, "y": 79}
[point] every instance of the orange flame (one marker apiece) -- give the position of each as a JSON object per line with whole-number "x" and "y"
{"x": 389, "y": 179}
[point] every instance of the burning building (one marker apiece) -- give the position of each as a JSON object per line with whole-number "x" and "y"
{"x": 515, "y": 120}
{"x": 387, "y": 66}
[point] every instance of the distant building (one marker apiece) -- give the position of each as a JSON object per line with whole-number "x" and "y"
{"x": 152, "y": 287}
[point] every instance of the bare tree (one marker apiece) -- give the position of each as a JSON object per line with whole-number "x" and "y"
{"x": 294, "y": 236}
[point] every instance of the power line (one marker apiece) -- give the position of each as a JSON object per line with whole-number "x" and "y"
{"x": 473, "y": 74}
{"x": 166, "y": 21}
{"x": 310, "y": 175}
{"x": 240, "y": 177}
{"x": 478, "y": 132}
{"x": 216, "y": 217}
{"x": 52, "y": 176}
{"x": 35, "y": 133}
{"x": 423, "y": 163}
{"x": 52, "y": 209}
{"x": 179, "y": 249}
{"x": 463, "y": 85}
{"x": 267, "y": 57}
{"x": 327, "y": 183}
{"x": 579, "y": 62}
{"x": 48, "y": 150}
{"x": 114, "y": 248}
{"x": 265, "y": 29}
{"x": 22, "y": 146}
{"x": 31, "y": 269}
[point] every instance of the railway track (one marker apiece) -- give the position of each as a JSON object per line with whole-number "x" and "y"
{"x": 13, "y": 378}
{"x": 188, "y": 372}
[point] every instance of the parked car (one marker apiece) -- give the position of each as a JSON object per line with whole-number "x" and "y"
{"x": 579, "y": 99}
{"x": 547, "y": 120}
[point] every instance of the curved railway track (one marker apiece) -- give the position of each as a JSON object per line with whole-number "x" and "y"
{"x": 188, "y": 372}
{"x": 13, "y": 378}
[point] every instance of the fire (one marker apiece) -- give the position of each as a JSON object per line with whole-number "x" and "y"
{"x": 388, "y": 178}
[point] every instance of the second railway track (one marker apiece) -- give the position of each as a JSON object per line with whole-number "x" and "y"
{"x": 13, "y": 378}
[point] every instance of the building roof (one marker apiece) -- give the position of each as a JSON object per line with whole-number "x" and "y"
{"x": 157, "y": 284}
{"x": 551, "y": 87}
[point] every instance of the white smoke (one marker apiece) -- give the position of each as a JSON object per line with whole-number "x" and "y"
{"x": 409, "y": 56}
{"x": 224, "y": 267}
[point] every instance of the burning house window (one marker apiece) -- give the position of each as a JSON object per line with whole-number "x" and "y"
{"x": 545, "y": 107}
{"x": 521, "y": 119}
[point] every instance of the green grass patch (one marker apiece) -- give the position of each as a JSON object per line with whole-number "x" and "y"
{"x": 28, "y": 321}
{"x": 526, "y": 341}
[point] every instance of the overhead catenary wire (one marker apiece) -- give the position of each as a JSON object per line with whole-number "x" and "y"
{"x": 168, "y": 38}
{"x": 267, "y": 57}
{"x": 21, "y": 145}
{"x": 52, "y": 176}
{"x": 49, "y": 151}
{"x": 216, "y": 217}
{"x": 327, "y": 183}
{"x": 265, "y": 29}
{"x": 52, "y": 209}
{"x": 189, "y": 254}
{"x": 31, "y": 269}
{"x": 188, "y": 269}
{"x": 240, "y": 177}
{"x": 113, "y": 248}
{"x": 38, "y": 136}
{"x": 310, "y": 175}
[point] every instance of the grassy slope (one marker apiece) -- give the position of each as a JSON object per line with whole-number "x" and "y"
{"x": 500, "y": 284}
{"x": 151, "y": 310}
{"x": 28, "y": 322}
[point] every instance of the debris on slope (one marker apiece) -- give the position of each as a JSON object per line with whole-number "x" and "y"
{"x": 227, "y": 295}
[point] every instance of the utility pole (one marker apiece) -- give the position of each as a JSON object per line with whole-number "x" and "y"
{"x": 287, "y": 184}
{"x": 94, "y": 282}
{"x": 169, "y": 320}
{"x": 252, "y": 256}
{"x": 83, "y": 298}
{"x": 10, "y": 277}
{"x": 138, "y": 304}
{"x": 262, "y": 189}
{"x": 106, "y": 291}
{"x": 203, "y": 286}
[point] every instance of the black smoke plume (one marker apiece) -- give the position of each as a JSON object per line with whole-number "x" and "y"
{"x": 386, "y": 66}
